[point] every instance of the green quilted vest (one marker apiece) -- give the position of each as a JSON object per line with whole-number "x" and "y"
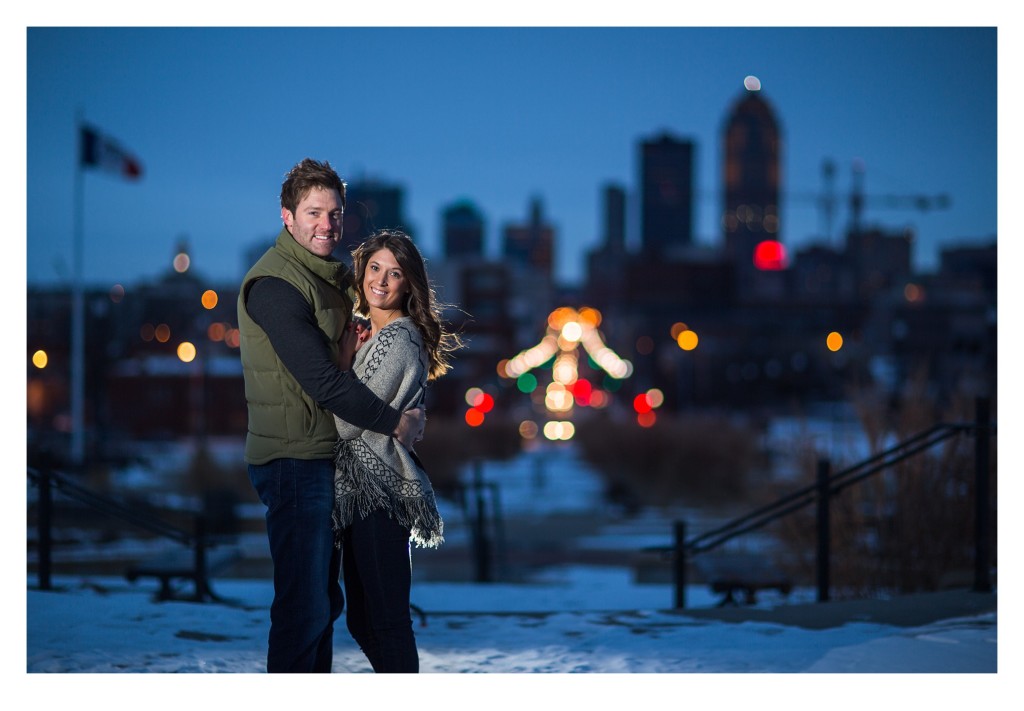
{"x": 283, "y": 420}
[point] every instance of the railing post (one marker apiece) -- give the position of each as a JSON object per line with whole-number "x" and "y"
{"x": 982, "y": 521}
{"x": 202, "y": 584}
{"x": 43, "y": 528}
{"x": 824, "y": 543}
{"x": 679, "y": 564}
{"x": 483, "y": 553}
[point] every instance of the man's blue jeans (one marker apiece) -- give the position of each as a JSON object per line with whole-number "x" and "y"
{"x": 299, "y": 496}
{"x": 378, "y": 576}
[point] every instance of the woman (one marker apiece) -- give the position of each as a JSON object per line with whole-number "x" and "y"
{"x": 382, "y": 494}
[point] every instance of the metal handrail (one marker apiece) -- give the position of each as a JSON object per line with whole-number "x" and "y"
{"x": 112, "y": 507}
{"x": 198, "y": 541}
{"x": 808, "y": 494}
{"x": 828, "y": 485}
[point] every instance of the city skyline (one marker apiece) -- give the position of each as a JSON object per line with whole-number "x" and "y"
{"x": 498, "y": 116}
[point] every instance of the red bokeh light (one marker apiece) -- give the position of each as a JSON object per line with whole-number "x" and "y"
{"x": 646, "y": 419}
{"x": 641, "y": 404}
{"x": 581, "y": 391}
{"x": 770, "y": 255}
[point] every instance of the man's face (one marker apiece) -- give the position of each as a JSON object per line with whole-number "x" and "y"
{"x": 317, "y": 221}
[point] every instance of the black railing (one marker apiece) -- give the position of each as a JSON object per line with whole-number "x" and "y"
{"x": 828, "y": 485}
{"x": 481, "y": 506}
{"x": 48, "y": 480}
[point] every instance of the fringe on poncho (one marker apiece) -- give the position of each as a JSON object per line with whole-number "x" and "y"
{"x": 374, "y": 471}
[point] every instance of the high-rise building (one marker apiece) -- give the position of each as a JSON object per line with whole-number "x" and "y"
{"x": 531, "y": 245}
{"x": 462, "y": 230}
{"x": 667, "y": 194}
{"x": 369, "y": 206}
{"x": 752, "y": 178}
{"x": 607, "y": 265}
{"x": 614, "y": 218}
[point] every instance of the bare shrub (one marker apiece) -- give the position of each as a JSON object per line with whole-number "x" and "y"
{"x": 909, "y": 528}
{"x": 685, "y": 459}
{"x": 449, "y": 444}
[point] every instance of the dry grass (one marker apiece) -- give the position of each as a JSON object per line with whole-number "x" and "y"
{"x": 910, "y": 528}
{"x": 692, "y": 460}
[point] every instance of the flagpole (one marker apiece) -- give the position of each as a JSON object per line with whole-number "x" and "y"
{"x": 77, "y": 311}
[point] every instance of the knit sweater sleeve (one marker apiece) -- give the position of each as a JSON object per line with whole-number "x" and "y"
{"x": 393, "y": 366}
{"x": 285, "y": 316}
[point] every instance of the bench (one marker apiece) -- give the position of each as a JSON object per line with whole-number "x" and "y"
{"x": 738, "y": 573}
{"x": 182, "y": 564}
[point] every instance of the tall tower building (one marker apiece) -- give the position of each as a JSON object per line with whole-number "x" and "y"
{"x": 607, "y": 265}
{"x": 614, "y": 219}
{"x": 462, "y": 230}
{"x": 750, "y": 215}
{"x": 666, "y": 179}
{"x": 528, "y": 253}
{"x": 531, "y": 245}
{"x": 369, "y": 206}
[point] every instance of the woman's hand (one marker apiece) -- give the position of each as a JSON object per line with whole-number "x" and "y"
{"x": 357, "y": 333}
{"x": 363, "y": 331}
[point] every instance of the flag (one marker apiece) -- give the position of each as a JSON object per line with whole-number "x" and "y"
{"x": 100, "y": 151}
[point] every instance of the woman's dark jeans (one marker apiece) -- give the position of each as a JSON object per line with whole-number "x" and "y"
{"x": 378, "y": 574}
{"x": 299, "y": 496}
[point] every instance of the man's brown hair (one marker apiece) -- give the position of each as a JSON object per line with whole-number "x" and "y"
{"x": 305, "y": 176}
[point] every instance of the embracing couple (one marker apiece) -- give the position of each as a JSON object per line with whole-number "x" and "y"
{"x": 336, "y": 363}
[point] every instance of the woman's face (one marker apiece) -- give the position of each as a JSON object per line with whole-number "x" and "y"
{"x": 384, "y": 282}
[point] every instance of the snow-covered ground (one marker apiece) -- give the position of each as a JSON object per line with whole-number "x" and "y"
{"x": 501, "y": 646}
{"x": 580, "y": 620}
{"x": 564, "y": 624}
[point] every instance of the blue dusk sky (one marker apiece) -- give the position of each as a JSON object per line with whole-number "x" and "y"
{"x": 497, "y": 115}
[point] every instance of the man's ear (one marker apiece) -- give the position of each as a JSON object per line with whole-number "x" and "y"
{"x": 287, "y": 217}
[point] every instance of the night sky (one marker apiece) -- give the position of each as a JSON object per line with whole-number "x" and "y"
{"x": 497, "y": 115}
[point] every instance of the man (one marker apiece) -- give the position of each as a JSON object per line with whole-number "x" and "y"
{"x": 294, "y": 310}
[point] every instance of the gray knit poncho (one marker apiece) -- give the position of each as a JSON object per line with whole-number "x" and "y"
{"x": 374, "y": 471}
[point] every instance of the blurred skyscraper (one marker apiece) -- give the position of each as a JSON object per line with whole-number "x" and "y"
{"x": 371, "y": 205}
{"x": 462, "y": 230}
{"x": 752, "y": 180}
{"x": 667, "y": 193}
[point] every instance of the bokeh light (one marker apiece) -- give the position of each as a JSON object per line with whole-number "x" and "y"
{"x": 116, "y": 293}
{"x": 687, "y": 340}
{"x": 646, "y": 419}
{"x": 559, "y": 430}
{"x": 526, "y": 383}
{"x": 770, "y": 255}
{"x": 581, "y": 391}
{"x": 474, "y": 418}
{"x": 834, "y": 341}
{"x": 528, "y": 429}
{"x": 162, "y": 333}
{"x": 216, "y": 331}
{"x": 181, "y": 262}
{"x": 656, "y": 397}
{"x": 40, "y": 359}
{"x": 186, "y": 352}
{"x": 572, "y": 331}
{"x": 641, "y": 404}
{"x": 209, "y": 299}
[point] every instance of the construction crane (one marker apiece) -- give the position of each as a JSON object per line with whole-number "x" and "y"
{"x": 858, "y": 200}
